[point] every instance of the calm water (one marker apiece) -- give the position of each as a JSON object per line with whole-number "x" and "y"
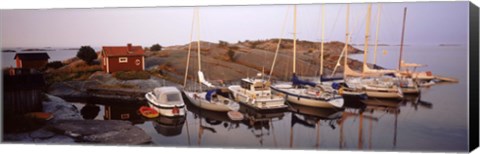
{"x": 55, "y": 54}
{"x": 434, "y": 121}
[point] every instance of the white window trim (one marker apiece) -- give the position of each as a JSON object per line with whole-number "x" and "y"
{"x": 123, "y": 60}
{"x": 108, "y": 66}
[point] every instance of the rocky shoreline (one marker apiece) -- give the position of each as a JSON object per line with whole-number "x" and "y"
{"x": 68, "y": 127}
{"x": 103, "y": 87}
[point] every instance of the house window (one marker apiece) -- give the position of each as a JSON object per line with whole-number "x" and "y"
{"x": 123, "y": 60}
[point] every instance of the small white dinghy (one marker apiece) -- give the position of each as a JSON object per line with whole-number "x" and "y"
{"x": 167, "y": 101}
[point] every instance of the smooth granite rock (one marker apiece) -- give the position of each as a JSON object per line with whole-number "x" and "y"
{"x": 100, "y": 131}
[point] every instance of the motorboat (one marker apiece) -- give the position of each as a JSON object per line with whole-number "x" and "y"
{"x": 167, "y": 101}
{"x": 256, "y": 93}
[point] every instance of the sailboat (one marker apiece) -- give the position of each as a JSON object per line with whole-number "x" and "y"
{"x": 374, "y": 84}
{"x": 215, "y": 99}
{"x": 404, "y": 67}
{"x": 405, "y": 81}
{"x": 304, "y": 92}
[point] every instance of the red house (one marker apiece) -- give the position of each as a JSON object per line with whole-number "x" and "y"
{"x": 123, "y": 58}
{"x": 31, "y": 60}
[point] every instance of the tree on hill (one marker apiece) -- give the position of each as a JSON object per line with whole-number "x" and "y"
{"x": 87, "y": 54}
{"x": 156, "y": 47}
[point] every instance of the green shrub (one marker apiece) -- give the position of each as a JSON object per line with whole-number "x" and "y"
{"x": 87, "y": 54}
{"x": 132, "y": 75}
{"x": 156, "y": 47}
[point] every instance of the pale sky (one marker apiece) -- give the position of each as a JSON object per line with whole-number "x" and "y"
{"x": 427, "y": 23}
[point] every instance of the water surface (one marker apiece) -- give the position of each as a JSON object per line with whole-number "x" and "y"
{"x": 434, "y": 121}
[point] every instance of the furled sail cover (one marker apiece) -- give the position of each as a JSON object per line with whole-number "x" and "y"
{"x": 201, "y": 77}
{"x": 323, "y": 78}
{"x": 297, "y": 81}
{"x": 403, "y": 64}
{"x": 367, "y": 70}
{"x": 209, "y": 94}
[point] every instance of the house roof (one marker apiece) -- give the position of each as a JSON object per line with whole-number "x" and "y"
{"x": 32, "y": 56}
{"x": 115, "y": 51}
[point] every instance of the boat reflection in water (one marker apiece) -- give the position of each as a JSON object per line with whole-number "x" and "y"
{"x": 373, "y": 110}
{"x": 260, "y": 123}
{"x": 169, "y": 126}
{"x": 208, "y": 121}
{"x": 361, "y": 124}
{"x": 166, "y": 126}
{"x": 417, "y": 102}
{"x": 124, "y": 112}
{"x": 312, "y": 117}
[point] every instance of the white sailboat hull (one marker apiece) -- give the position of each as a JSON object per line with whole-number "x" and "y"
{"x": 294, "y": 96}
{"x": 411, "y": 90}
{"x": 383, "y": 94}
{"x": 417, "y": 75}
{"x": 224, "y": 105}
{"x": 316, "y": 103}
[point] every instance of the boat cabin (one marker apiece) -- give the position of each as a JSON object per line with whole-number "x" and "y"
{"x": 255, "y": 85}
{"x": 168, "y": 95}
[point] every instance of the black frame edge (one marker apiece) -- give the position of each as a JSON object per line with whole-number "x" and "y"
{"x": 473, "y": 77}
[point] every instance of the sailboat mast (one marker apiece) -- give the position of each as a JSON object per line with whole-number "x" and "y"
{"x": 403, "y": 33}
{"x": 376, "y": 35}
{"x": 198, "y": 42}
{"x": 198, "y": 49}
{"x": 189, "y": 48}
{"x": 346, "y": 42}
{"x": 278, "y": 46}
{"x": 321, "y": 45}
{"x": 294, "y": 37}
{"x": 367, "y": 33}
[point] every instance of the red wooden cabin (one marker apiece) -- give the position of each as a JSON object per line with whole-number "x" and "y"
{"x": 123, "y": 58}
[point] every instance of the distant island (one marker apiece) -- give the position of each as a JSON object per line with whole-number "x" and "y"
{"x": 72, "y": 49}
{"x": 38, "y": 49}
{"x": 400, "y": 45}
{"x": 9, "y": 51}
{"x": 443, "y": 45}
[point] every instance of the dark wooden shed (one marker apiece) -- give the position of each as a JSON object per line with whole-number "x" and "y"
{"x": 31, "y": 60}
{"x": 22, "y": 93}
